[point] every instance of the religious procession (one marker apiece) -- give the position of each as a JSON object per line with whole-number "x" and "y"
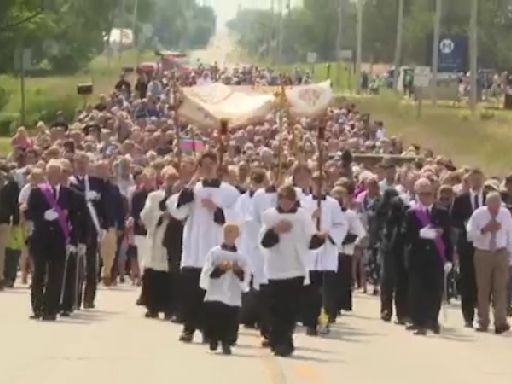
{"x": 234, "y": 203}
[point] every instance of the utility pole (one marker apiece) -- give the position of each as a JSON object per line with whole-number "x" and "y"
{"x": 435, "y": 48}
{"x": 135, "y": 35}
{"x": 473, "y": 42}
{"x": 280, "y": 32}
{"x": 339, "y": 45}
{"x": 23, "y": 109}
{"x": 398, "y": 47}
{"x": 359, "y": 53}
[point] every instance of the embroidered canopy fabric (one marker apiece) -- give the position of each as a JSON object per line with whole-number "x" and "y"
{"x": 205, "y": 105}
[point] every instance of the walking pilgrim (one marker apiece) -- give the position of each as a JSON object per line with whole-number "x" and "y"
{"x": 225, "y": 275}
{"x": 205, "y": 202}
{"x": 288, "y": 234}
{"x": 92, "y": 190}
{"x": 331, "y": 220}
{"x": 76, "y": 247}
{"x": 427, "y": 236}
{"x": 157, "y": 282}
{"x": 463, "y": 207}
{"x": 49, "y": 208}
{"x": 490, "y": 230}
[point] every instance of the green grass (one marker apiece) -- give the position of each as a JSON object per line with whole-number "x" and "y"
{"x": 4, "y": 146}
{"x": 101, "y": 72}
{"x": 478, "y": 140}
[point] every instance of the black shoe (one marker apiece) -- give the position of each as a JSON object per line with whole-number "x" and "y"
{"x": 481, "y": 329}
{"x": 2, "y": 285}
{"x": 151, "y": 315}
{"x": 89, "y": 306}
{"x": 468, "y": 324}
{"x": 310, "y": 331}
{"x": 35, "y": 316}
{"x": 283, "y": 351}
{"x": 49, "y": 317}
{"x": 401, "y": 321}
{"x": 65, "y": 313}
{"x": 9, "y": 284}
{"x": 421, "y": 332}
{"x": 226, "y": 349}
{"x": 187, "y": 337}
{"x": 436, "y": 329}
{"x": 214, "y": 345}
{"x": 265, "y": 343}
{"x": 168, "y": 317}
{"x": 503, "y": 329}
{"x": 385, "y": 316}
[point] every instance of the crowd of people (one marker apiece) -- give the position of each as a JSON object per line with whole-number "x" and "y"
{"x": 261, "y": 225}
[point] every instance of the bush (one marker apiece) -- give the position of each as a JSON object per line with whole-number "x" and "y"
{"x": 5, "y": 95}
{"x": 44, "y": 107}
{"x": 7, "y": 123}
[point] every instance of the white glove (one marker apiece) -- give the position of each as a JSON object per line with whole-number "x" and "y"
{"x": 81, "y": 249}
{"x": 50, "y": 215}
{"x": 92, "y": 195}
{"x": 448, "y": 267}
{"x": 71, "y": 248}
{"x": 428, "y": 233}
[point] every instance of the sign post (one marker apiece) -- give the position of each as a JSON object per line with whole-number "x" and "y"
{"x": 311, "y": 58}
{"x": 422, "y": 80}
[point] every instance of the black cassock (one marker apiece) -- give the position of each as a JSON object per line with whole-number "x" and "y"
{"x": 48, "y": 250}
{"x": 426, "y": 268}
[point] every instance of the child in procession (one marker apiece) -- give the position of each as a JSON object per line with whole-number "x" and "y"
{"x": 224, "y": 277}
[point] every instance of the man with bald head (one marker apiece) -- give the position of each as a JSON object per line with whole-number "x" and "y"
{"x": 49, "y": 207}
{"x": 427, "y": 237}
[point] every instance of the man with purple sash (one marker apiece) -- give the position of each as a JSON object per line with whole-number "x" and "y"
{"x": 428, "y": 242}
{"x": 49, "y": 210}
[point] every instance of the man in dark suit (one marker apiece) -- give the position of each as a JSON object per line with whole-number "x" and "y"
{"x": 92, "y": 190}
{"x": 427, "y": 237}
{"x": 49, "y": 208}
{"x": 79, "y": 217}
{"x": 463, "y": 207}
{"x": 9, "y": 193}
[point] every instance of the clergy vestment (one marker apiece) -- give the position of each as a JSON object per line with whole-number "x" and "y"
{"x": 202, "y": 232}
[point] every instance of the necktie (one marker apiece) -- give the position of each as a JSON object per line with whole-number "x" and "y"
{"x": 476, "y": 202}
{"x": 493, "y": 244}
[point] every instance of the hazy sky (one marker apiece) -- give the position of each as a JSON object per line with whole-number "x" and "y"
{"x": 227, "y": 9}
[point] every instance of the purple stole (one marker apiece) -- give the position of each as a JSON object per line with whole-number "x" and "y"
{"x": 50, "y": 199}
{"x": 425, "y": 221}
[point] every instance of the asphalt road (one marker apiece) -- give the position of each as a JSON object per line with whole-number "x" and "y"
{"x": 116, "y": 344}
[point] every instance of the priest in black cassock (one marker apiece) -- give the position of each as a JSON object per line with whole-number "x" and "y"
{"x": 427, "y": 238}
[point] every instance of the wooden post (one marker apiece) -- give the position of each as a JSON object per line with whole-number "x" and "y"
{"x": 223, "y": 132}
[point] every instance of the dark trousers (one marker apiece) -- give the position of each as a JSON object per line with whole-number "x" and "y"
{"x": 221, "y": 322}
{"x": 426, "y": 293}
{"x": 192, "y": 299}
{"x": 264, "y": 300}
{"x": 49, "y": 262}
{"x": 12, "y": 259}
{"x": 91, "y": 268}
{"x": 158, "y": 291}
{"x": 468, "y": 289}
{"x": 394, "y": 285}
{"x": 344, "y": 275}
{"x": 312, "y": 299}
{"x": 284, "y": 308}
{"x": 70, "y": 283}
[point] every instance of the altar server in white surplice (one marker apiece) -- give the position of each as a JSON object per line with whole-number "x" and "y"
{"x": 157, "y": 279}
{"x": 288, "y": 234}
{"x": 203, "y": 203}
{"x": 323, "y": 260}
